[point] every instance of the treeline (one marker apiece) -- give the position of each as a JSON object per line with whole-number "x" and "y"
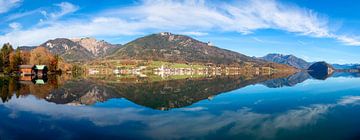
{"x": 10, "y": 59}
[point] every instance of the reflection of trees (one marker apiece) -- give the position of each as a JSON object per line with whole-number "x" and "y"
{"x": 11, "y": 85}
{"x": 7, "y": 88}
{"x": 39, "y": 91}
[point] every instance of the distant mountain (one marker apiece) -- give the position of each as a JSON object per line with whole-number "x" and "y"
{"x": 346, "y": 66}
{"x": 182, "y": 49}
{"x": 26, "y": 48}
{"x": 287, "y": 60}
{"x": 82, "y": 49}
{"x": 321, "y": 70}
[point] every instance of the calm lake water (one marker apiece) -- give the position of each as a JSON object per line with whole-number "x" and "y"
{"x": 221, "y": 107}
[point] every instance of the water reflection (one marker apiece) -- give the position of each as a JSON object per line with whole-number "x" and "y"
{"x": 156, "y": 94}
{"x": 130, "y": 107}
{"x": 320, "y": 75}
{"x": 291, "y": 80}
{"x": 145, "y": 91}
{"x": 243, "y": 122}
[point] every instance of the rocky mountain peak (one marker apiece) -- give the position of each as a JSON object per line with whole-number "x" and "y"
{"x": 165, "y": 34}
{"x": 96, "y": 47}
{"x": 79, "y": 49}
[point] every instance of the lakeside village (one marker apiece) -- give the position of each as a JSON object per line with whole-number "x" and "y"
{"x": 38, "y": 74}
{"x": 143, "y": 68}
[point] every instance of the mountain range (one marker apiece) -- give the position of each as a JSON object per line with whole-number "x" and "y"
{"x": 81, "y": 49}
{"x": 168, "y": 47}
{"x": 299, "y": 63}
{"x": 163, "y": 46}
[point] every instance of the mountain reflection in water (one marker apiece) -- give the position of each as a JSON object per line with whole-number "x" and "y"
{"x": 156, "y": 94}
{"x": 159, "y": 94}
{"x": 253, "y": 107}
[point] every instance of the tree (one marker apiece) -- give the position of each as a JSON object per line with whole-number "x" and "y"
{"x": 5, "y": 52}
{"x": 41, "y": 56}
{"x": 1, "y": 63}
{"x": 25, "y": 57}
{"x": 55, "y": 62}
{"x": 15, "y": 60}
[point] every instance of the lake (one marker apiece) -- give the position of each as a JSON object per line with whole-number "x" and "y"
{"x": 279, "y": 106}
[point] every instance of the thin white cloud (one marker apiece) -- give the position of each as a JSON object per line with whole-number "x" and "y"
{"x": 65, "y": 8}
{"x": 20, "y": 15}
{"x": 15, "y": 26}
{"x": 6, "y": 5}
{"x": 194, "y": 33}
{"x": 352, "y": 41}
{"x": 258, "y": 40}
{"x": 72, "y": 29}
{"x": 190, "y": 17}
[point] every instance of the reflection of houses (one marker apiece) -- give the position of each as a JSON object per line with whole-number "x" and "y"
{"x": 25, "y": 78}
{"x": 99, "y": 70}
{"x": 28, "y": 70}
{"x": 93, "y": 71}
{"x": 30, "y": 80}
{"x": 38, "y": 81}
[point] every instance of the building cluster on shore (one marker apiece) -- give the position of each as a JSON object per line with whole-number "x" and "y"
{"x": 164, "y": 71}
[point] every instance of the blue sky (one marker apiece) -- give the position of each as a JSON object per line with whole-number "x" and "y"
{"x": 313, "y": 30}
